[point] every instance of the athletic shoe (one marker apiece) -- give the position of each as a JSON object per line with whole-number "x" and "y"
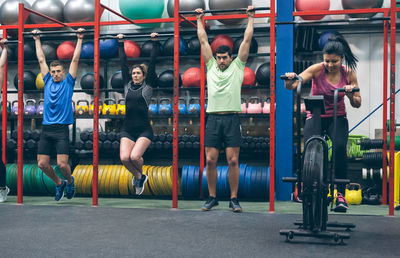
{"x": 341, "y": 204}
{"x": 211, "y": 202}
{"x": 60, "y": 190}
{"x": 234, "y": 205}
{"x": 3, "y": 194}
{"x": 70, "y": 189}
{"x": 139, "y": 184}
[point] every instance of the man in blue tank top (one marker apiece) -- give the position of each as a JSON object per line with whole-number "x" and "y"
{"x": 57, "y": 115}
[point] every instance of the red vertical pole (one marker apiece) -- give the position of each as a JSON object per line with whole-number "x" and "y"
{"x": 272, "y": 112}
{"x": 96, "y": 94}
{"x": 176, "y": 110}
{"x": 202, "y": 115}
{"x": 4, "y": 108}
{"x": 20, "y": 165}
{"x": 384, "y": 133}
{"x": 392, "y": 102}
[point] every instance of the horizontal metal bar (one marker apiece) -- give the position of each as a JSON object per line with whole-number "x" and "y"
{"x": 339, "y": 12}
{"x": 334, "y": 21}
{"x": 133, "y": 35}
{"x": 226, "y": 10}
{"x": 52, "y": 32}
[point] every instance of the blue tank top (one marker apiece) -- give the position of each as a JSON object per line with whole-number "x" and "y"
{"x": 58, "y": 100}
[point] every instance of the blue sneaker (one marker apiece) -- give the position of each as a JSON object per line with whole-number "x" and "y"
{"x": 70, "y": 189}
{"x": 60, "y": 190}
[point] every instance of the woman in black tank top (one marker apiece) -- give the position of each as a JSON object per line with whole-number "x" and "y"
{"x": 137, "y": 133}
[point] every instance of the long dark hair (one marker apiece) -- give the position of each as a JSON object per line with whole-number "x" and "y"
{"x": 338, "y": 45}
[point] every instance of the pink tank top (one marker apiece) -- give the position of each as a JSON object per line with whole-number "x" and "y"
{"x": 321, "y": 86}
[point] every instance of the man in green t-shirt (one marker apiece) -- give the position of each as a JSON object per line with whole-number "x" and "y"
{"x": 224, "y": 81}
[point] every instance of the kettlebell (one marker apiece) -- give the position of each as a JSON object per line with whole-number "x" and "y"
{"x": 182, "y": 106}
{"x": 14, "y": 108}
{"x": 254, "y": 106}
{"x": 30, "y": 107}
{"x": 121, "y": 107}
{"x": 165, "y": 107}
{"x": 194, "y": 106}
{"x": 303, "y": 107}
{"x": 8, "y": 107}
{"x": 39, "y": 108}
{"x": 153, "y": 106}
{"x": 244, "y": 106}
{"x": 353, "y": 194}
{"x": 267, "y": 106}
{"x": 73, "y": 107}
{"x": 335, "y": 194}
{"x": 91, "y": 107}
{"x": 82, "y": 109}
{"x": 109, "y": 109}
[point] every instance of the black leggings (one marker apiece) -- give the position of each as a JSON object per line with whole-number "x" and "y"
{"x": 342, "y": 128}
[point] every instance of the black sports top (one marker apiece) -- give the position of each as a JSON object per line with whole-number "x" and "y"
{"x": 137, "y": 97}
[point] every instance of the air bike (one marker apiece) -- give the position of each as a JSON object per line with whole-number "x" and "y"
{"x": 314, "y": 178}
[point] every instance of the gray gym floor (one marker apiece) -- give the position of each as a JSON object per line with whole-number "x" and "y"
{"x": 41, "y": 228}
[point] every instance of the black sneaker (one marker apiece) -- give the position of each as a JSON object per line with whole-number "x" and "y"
{"x": 341, "y": 204}
{"x": 139, "y": 184}
{"x": 234, "y": 205}
{"x": 211, "y": 202}
{"x": 60, "y": 190}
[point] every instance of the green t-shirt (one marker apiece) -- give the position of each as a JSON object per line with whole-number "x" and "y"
{"x": 224, "y": 87}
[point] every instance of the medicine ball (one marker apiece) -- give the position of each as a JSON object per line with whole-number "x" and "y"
{"x": 49, "y": 51}
{"x": 87, "y": 83}
{"x": 148, "y": 46}
{"x": 262, "y": 74}
{"x": 39, "y": 82}
{"x": 249, "y": 77}
{"x": 191, "y": 77}
{"x": 361, "y": 4}
{"x": 323, "y": 38}
{"x": 29, "y": 81}
{"x": 132, "y": 49}
{"x": 116, "y": 80}
{"x": 220, "y": 40}
{"x": 166, "y": 79}
{"x": 65, "y": 50}
{"x": 87, "y": 51}
{"x": 169, "y": 46}
{"x": 29, "y": 51}
{"x": 253, "y": 45}
{"x": 194, "y": 46}
{"x": 108, "y": 48}
{"x": 312, "y": 5}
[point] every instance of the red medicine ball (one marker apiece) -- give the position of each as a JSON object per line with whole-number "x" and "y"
{"x": 249, "y": 77}
{"x": 65, "y": 50}
{"x": 312, "y": 5}
{"x": 221, "y": 40}
{"x": 191, "y": 77}
{"x": 132, "y": 49}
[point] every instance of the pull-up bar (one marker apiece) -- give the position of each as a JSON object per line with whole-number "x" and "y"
{"x": 334, "y": 21}
{"x": 133, "y": 35}
{"x": 227, "y": 10}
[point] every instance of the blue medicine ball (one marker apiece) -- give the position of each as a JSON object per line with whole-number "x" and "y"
{"x": 108, "y": 48}
{"x": 87, "y": 51}
{"x": 169, "y": 46}
{"x": 323, "y": 38}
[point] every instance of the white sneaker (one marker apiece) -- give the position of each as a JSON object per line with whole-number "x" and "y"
{"x": 3, "y": 194}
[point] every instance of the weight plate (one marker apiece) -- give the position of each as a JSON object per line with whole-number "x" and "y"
{"x": 129, "y": 177}
{"x": 219, "y": 183}
{"x": 123, "y": 186}
{"x": 103, "y": 180}
{"x": 168, "y": 177}
{"x": 190, "y": 184}
{"x": 204, "y": 183}
{"x": 27, "y": 179}
{"x": 183, "y": 180}
{"x": 225, "y": 184}
{"x": 196, "y": 181}
{"x": 158, "y": 180}
{"x": 253, "y": 182}
{"x": 147, "y": 190}
{"x": 88, "y": 173}
{"x": 76, "y": 174}
{"x": 108, "y": 180}
{"x": 110, "y": 186}
{"x": 242, "y": 173}
{"x": 115, "y": 181}
{"x": 247, "y": 181}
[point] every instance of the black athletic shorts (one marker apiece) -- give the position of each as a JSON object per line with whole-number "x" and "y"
{"x": 54, "y": 136}
{"x": 223, "y": 128}
{"x": 136, "y": 134}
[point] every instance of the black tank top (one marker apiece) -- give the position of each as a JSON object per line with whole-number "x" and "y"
{"x": 137, "y": 97}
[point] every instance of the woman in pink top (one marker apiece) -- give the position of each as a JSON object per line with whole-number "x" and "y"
{"x": 327, "y": 76}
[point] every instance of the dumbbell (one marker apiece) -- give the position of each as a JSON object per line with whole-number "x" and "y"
{"x": 166, "y": 145}
{"x": 102, "y": 136}
{"x": 27, "y": 134}
{"x": 196, "y": 145}
{"x": 181, "y": 144}
{"x": 100, "y": 145}
{"x": 185, "y": 138}
{"x": 188, "y": 145}
{"x": 79, "y": 145}
{"x": 84, "y": 135}
{"x": 35, "y": 135}
{"x": 244, "y": 145}
{"x": 11, "y": 144}
{"x": 162, "y": 137}
{"x": 158, "y": 145}
{"x": 115, "y": 145}
{"x": 31, "y": 144}
{"x": 107, "y": 144}
{"x": 14, "y": 134}
{"x": 89, "y": 145}
{"x": 193, "y": 138}
{"x": 112, "y": 136}
{"x": 151, "y": 146}
{"x": 169, "y": 137}
{"x": 155, "y": 137}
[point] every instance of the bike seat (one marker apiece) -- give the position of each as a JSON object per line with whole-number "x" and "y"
{"x": 315, "y": 102}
